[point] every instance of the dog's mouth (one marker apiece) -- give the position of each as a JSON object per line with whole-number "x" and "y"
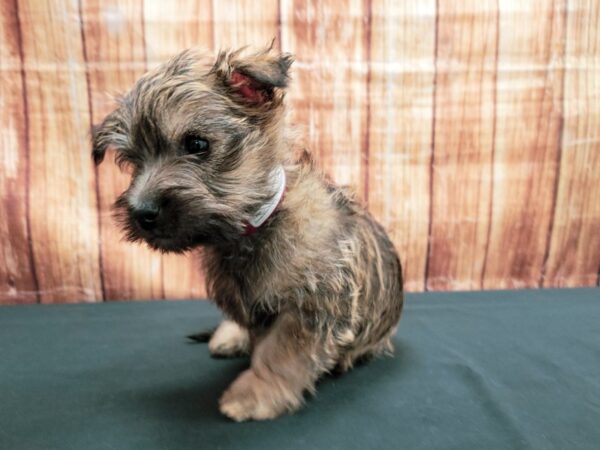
{"x": 174, "y": 239}
{"x": 167, "y": 243}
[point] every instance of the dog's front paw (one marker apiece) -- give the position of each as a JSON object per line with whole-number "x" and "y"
{"x": 229, "y": 340}
{"x": 249, "y": 398}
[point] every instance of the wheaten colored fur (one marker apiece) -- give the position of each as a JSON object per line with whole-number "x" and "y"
{"x": 317, "y": 287}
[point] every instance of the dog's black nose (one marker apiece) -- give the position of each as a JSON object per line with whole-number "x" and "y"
{"x": 146, "y": 215}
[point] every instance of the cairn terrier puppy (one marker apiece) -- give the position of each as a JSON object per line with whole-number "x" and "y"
{"x": 307, "y": 280}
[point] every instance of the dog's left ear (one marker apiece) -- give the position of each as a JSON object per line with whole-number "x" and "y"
{"x": 254, "y": 79}
{"x": 111, "y": 132}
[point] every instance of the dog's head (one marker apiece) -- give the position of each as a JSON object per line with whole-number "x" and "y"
{"x": 202, "y": 137}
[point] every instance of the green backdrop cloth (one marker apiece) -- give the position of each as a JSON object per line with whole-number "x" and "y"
{"x": 481, "y": 370}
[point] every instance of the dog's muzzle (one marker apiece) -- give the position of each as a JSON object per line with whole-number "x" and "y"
{"x": 146, "y": 215}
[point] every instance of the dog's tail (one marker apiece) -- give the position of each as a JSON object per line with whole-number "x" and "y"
{"x": 202, "y": 337}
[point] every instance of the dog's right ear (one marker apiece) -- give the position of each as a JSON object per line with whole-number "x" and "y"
{"x": 255, "y": 79}
{"x": 111, "y": 132}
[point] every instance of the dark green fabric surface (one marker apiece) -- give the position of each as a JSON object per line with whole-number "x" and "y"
{"x": 490, "y": 370}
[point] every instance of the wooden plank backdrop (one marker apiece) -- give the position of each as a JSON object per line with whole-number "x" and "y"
{"x": 63, "y": 213}
{"x": 464, "y": 123}
{"x": 471, "y": 129}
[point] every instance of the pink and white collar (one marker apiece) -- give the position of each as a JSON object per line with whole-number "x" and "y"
{"x": 278, "y": 182}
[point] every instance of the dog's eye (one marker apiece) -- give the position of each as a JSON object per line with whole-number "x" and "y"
{"x": 195, "y": 145}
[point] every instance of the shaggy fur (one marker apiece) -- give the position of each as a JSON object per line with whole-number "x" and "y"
{"x": 317, "y": 287}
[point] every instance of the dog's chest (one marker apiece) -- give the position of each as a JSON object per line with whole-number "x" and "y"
{"x": 245, "y": 291}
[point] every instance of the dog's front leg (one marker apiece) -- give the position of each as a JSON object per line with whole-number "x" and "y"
{"x": 285, "y": 363}
{"x": 229, "y": 340}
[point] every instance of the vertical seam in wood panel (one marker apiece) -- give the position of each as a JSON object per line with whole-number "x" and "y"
{"x": 278, "y": 25}
{"x": 212, "y": 24}
{"x": 212, "y": 34}
{"x": 143, "y": 23}
{"x": 96, "y": 171}
{"x": 144, "y": 49}
{"x": 163, "y": 292}
{"x": 34, "y": 276}
{"x": 366, "y": 138}
{"x": 432, "y": 159}
{"x": 493, "y": 155}
{"x": 559, "y": 150}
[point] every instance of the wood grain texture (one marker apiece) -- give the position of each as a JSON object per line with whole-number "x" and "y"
{"x": 173, "y": 26}
{"x": 113, "y": 33}
{"x": 464, "y": 131}
{"x": 18, "y": 283}
{"x": 574, "y": 247}
{"x": 402, "y": 71}
{"x": 528, "y": 126}
{"x": 237, "y": 23}
{"x": 169, "y": 28}
{"x": 470, "y": 129}
{"x": 329, "y": 91}
{"x": 62, "y": 197}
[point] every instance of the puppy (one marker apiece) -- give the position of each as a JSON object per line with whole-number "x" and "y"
{"x": 307, "y": 280}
